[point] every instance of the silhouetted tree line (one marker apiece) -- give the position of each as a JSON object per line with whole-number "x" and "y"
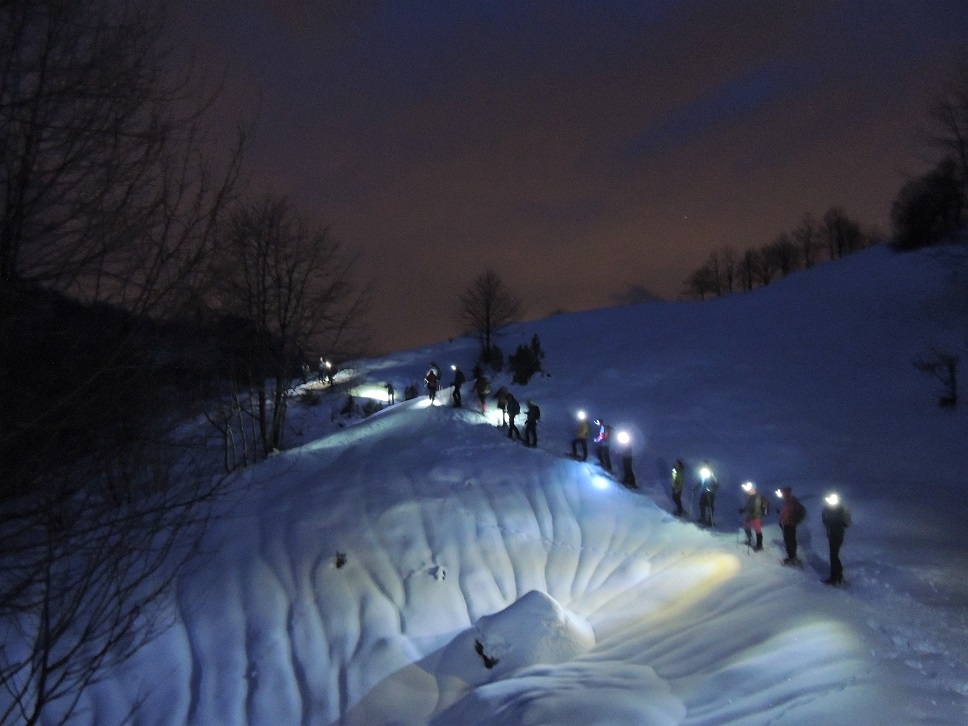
{"x": 727, "y": 270}
{"x": 931, "y": 208}
{"x": 80, "y": 378}
{"x": 141, "y": 284}
{"x": 525, "y": 362}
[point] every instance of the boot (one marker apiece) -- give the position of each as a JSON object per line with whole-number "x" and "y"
{"x": 759, "y": 542}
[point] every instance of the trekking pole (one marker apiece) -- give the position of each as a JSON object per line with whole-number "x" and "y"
{"x": 739, "y": 534}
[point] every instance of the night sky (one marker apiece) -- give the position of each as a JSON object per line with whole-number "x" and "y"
{"x": 583, "y": 150}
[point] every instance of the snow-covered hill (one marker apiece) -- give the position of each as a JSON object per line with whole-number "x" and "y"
{"x": 370, "y": 575}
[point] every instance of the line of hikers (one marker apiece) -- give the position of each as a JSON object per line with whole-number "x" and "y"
{"x": 835, "y": 516}
{"x": 507, "y": 404}
{"x": 510, "y": 408}
{"x": 603, "y": 450}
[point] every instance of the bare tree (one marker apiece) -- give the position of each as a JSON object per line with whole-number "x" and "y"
{"x": 842, "y": 235}
{"x": 765, "y": 265}
{"x": 943, "y": 366}
{"x": 784, "y": 255}
{"x": 99, "y": 140}
{"x": 715, "y": 273}
{"x": 717, "y": 276}
{"x": 747, "y": 269}
{"x": 107, "y": 194}
{"x": 702, "y": 283}
{"x": 82, "y": 585}
{"x": 807, "y": 237}
{"x": 949, "y": 132}
{"x": 727, "y": 269}
{"x": 485, "y": 308}
{"x": 927, "y": 209}
{"x": 931, "y": 208}
{"x": 293, "y": 288}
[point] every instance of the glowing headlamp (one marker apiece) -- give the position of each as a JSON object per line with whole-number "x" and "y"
{"x": 832, "y": 499}
{"x": 779, "y": 494}
{"x": 705, "y": 472}
{"x": 581, "y": 415}
{"x": 453, "y": 368}
{"x": 623, "y": 437}
{"x": 748, "y": 487}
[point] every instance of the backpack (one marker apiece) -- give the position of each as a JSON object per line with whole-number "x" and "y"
{"x": 764, "y": 505}
{"x": 799, "y": 512}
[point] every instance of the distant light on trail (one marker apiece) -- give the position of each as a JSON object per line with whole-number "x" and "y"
{"x": 372, "y": 391}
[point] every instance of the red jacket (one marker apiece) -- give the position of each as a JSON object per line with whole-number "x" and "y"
{"x": 786, "y": 511}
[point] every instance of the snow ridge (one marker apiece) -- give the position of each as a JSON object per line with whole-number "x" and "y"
{"x": 432, "y": 555}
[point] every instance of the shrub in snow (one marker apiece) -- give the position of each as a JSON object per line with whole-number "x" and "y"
{"x": 526, "y": 361}
{"x": 309, "y": 398}
{"x": 944, "y": 367}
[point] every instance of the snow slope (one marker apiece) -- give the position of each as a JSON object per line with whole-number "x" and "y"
{"x": 366, "y": 575}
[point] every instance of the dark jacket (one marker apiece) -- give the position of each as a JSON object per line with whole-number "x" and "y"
{"x": 755, "y": 507}
{"x": 836, "y": 520}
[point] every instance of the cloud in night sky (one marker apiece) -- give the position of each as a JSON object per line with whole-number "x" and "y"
{"x": 733, "y": 102}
